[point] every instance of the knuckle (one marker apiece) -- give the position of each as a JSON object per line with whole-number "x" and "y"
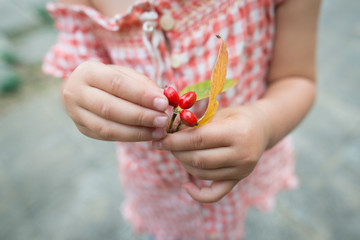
{"x": 106, "y": 111}
{"x": 197, "y": 161}
{"x": 86, "y": 66}
{"x": 106, "y": 132}
{"x": 140, "y": 136}
{"x": 196, "y": 140}
{"x": 85, "y": 69}
{"x": 66, "y": 94}
{"x": 115, "y": 84}
{"x": 141, "y": 118}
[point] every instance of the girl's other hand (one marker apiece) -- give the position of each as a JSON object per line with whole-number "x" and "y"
{"x": 115, "y": 103}
{"x": 225, "y": 150}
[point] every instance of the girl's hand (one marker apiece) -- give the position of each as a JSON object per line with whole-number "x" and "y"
{"x": 225, "y": 150}
{"x": 115, "y": 103}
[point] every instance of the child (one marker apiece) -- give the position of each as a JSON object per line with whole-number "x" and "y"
{"x": 116, "y": 62}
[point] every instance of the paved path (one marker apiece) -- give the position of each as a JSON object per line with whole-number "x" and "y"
{"x": 57, "y": 184}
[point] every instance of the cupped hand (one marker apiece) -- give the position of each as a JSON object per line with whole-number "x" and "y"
{"x": 225, "y": 150}
{"x": 115, "y": 103}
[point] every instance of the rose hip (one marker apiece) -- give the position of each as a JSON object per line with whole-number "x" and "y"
{"x": 188, "y": 118}
{"x": 172, "y": 96}
{"x": 187, "y": 100}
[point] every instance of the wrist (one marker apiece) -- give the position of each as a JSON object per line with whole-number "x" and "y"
{"x": 263, "y": 122}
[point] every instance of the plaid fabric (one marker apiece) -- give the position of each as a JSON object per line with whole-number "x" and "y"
{"x": 154, "y": 202}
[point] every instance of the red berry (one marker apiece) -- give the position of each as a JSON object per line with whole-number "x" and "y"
{"x": 172, "y": 96}
{"x": 188, "y": 118}
{"x": 187, "y": 100}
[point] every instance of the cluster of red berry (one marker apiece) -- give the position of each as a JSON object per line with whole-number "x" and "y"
{"x": 181, "y": 104}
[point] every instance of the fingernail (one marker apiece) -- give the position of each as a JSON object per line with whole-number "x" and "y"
{"x": 161, "y": 122}
{"x": 158, "y": 133}
{"x": 156, "y": 145}
{"x": 161, "y": 104}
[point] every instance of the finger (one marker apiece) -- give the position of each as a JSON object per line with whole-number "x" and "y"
{"x": 121, "y": 111}
{"x": 212, "y": 158}
{"x": 216, "y": 191}
{"x": 204, "y": 137}
{"x": 87, "y": 132}
{"x": 99, "y": 128}
{"x": 212, "y": 174}
{"x": 125, "y": 83}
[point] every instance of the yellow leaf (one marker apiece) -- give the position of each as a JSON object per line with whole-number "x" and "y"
{"x": 218, "y": 77}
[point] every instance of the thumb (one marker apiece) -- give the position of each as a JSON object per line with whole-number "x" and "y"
{"x": 213, "y": 193}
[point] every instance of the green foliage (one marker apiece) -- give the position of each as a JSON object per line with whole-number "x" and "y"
{"x": 9, "y": 83}
{"x": 202, "y": 89}
{"x": 43, "y": 14}
{"x": 9, "y": 57}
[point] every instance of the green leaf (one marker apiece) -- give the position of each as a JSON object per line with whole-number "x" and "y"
{"x": 202, "y": 89}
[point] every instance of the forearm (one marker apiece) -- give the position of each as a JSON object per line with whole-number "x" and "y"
{"x": 285, "y": 103}
{"x": 292, "y": 73}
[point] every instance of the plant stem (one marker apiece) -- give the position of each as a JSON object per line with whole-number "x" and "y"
{"x": 172, "y": 121}
{"x": 178, "y": 126}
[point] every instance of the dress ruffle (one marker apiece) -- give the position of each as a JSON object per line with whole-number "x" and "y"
{"x": 114, "y": 23}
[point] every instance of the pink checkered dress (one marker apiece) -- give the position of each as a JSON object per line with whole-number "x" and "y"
{"x": 154, "y": 202}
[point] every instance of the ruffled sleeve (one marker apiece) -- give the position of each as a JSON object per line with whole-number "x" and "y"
{"x": 76, "y": 41}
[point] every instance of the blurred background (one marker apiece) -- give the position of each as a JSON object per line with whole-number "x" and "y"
{"x": 57, "y": 184}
